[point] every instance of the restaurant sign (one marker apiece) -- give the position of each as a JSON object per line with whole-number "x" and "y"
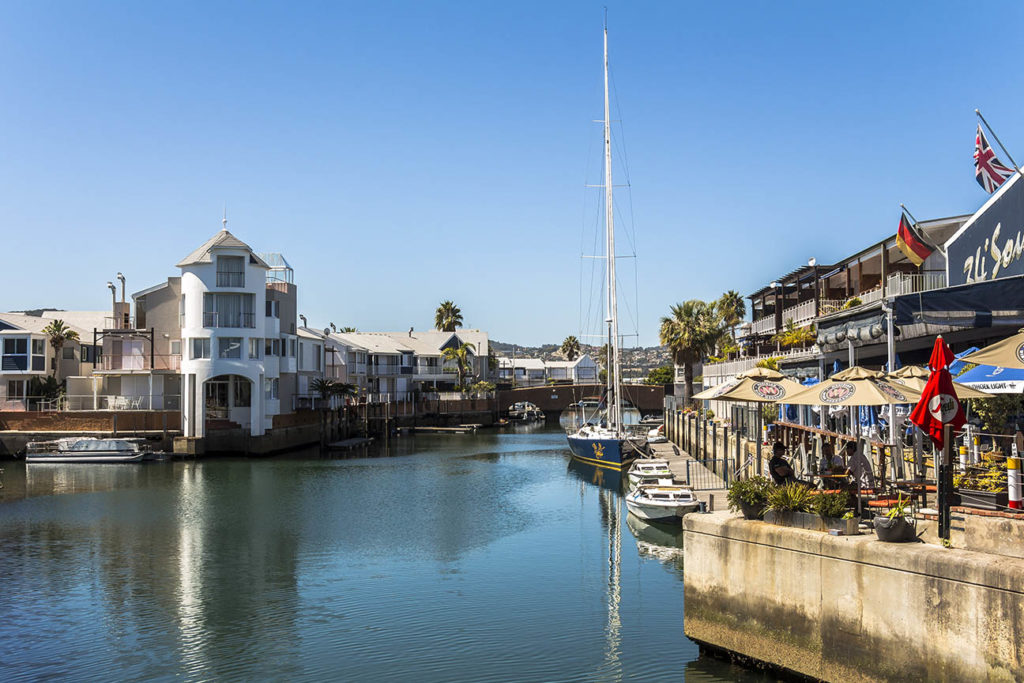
{"x": 991, "y": 243}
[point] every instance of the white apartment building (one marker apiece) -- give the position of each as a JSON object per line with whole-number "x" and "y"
{"x": 534, "y": 372}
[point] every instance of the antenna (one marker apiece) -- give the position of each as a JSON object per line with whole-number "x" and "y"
{"x": 224, "y": 221}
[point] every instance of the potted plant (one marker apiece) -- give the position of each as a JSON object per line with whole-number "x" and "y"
{"x": 983, "y": 486}
{"x": 788, "y": 506}
{"x": 895, "y": 527}
{"x": 749, "y": 496}
{"x": 832, "y": 509}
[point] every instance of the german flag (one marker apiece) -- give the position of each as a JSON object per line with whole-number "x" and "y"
{"x": 912, "y": 243}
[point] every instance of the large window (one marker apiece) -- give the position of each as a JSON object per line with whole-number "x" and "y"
{"x": 228, "y": 310}
{"x": 229, "y": 347}
{"x": 273, "y": 309}
{"x": 272, "y": 347}
{"x": 39, "y": 347}
{"x": 255, "y": 347}
{"x": 15, "y": 355}
{"x": 200, "y": 347}
{"x": 15, "y": 388}
{"x": 270, "y": 388}
{"x": 243, "y": 392}
{"x": 230, "y": 271}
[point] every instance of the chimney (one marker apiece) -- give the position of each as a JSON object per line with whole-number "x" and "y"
{"x": 303, "y": 319}
{"x": 333, "y": 328}
{"x": 410, "y": 331}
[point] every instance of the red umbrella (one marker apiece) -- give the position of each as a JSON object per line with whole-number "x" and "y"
{"x": 939, "y": 405}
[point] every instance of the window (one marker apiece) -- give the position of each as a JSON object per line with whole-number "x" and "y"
{"x": 200, "y": 347}
{"x": 15, "y": 389}
{"x": 273, "y": 309}
{"x": 228, "y": 310}
{"x": 39, "y": 347}
{"x": 229, "y": 347}
{"x": 243, "y": 392}
{"x": 15, "y": 346}
{"x": 302, "y": 352}
{"x": 316, "y": 353}
{"x": 255, "y": 347}
{"x": 175, "y": 347}
{"x": 230, "y": 271}
{"x": 270, "y": 387}
{"x": 67, "y": 353}
{"x": 181, "y": 311}
{"x": 268, "y": 347}
{"x": 291, "y": 348}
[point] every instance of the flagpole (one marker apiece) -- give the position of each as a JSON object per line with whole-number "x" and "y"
{"x": 998, "y": 142}
{"x": 941, "y": 248}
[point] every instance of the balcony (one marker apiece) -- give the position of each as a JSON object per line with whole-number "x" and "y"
{"x": 763, "y": 326}
{"x": 234, "y": 320}
{"x": 801, "y": 314}
{"x": 170, "y": 361}
{"x": 225, "y": 279}
{"x": 912, "y": 283}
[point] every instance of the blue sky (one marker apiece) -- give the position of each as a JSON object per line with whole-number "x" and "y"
{"x": 400, "y": 153}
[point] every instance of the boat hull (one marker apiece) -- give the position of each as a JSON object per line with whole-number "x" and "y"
{"x": 660, "y": 513}
{"x": 93, "y": 457}
{"x": 607, "y": 453}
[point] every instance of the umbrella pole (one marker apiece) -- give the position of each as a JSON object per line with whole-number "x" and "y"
{"x": 759, "y": 438}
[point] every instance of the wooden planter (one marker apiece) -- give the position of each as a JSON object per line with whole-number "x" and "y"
{"x": 812, "y": 522}
{"x": 983, "y": 500}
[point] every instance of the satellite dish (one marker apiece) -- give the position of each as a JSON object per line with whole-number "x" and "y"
{"x": 327, "y": 331}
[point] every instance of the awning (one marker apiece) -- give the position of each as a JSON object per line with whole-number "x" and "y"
{"x": 994, "y": 380}
{"x": 980, "y": 304}
{"x": 865, "y": 327}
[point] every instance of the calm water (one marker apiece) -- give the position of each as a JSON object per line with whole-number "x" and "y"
{"x": 458, "y": 558}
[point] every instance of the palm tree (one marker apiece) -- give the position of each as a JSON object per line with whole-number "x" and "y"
{"x": 58, "y": 334}
{"x": 792, "y": 335}
{"x": 461, "y": 357}
{"x": 448, "y": 317}
{"x": 570, "y": 348}
{"x": 731, "y": 307}
{"x": 691, "y": 333}
{"x": 346, "y": 329}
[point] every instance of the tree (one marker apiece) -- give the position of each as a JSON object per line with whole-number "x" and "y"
{"x": 570, "y": 348}
{"x": 58, "y": 334}
{"x": 791, "y": 335}
{"x": 691, "y": 333}
{"x": 448, "y": 317}
{"x": 343, "y": 330}
{"x": 660, "y": 376}
{"x": 328, "y": 388}
{"x": 731, "y": 307}
{"x": 461, "y": 357}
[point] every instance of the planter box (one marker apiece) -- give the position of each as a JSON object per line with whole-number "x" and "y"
{"x": 812, "y": 522}
{"x": 983, "y": 500}
{"x": 752, "y": 511}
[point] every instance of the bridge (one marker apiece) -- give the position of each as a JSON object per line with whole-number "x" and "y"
{"x": 555, "y": 398}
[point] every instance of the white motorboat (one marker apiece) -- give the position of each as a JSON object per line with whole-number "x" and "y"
{"x": 657, "y": 435}
{"x": 85, "y": 449}
{"x": 661, "y": 503}
{"x": 650, "y": 471}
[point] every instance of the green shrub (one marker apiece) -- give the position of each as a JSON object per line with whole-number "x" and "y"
{"x": 753, "y": 491}
{"x": 831, "y": 504}
{"x": 790, "y": 498}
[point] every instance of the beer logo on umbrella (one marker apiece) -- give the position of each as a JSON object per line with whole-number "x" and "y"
{"x": 1020, "y": 353}
{"x": 769, "y": 390}
{"x": 943, "y": 407}
{"x": 724, "y": 388}
{"x": 837, "y": 393}
{"x": 891, "y": 392}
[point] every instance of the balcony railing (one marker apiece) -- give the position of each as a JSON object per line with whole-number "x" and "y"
{"x": 170, "y": 361}
{"x": 912, "y": 283}
{"x": 217, "y": 319}
{"x": 763, "y": 326}
{"x": 799, "y": 314}
{"x": 230, "y": 279}
{"x": 119, "y": 322}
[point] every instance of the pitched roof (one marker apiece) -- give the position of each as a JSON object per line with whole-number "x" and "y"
{"x": 35, "y": 323}
{"x": 222, "y": 240}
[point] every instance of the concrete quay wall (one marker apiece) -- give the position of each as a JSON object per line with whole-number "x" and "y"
{"x": 851, "y": 608}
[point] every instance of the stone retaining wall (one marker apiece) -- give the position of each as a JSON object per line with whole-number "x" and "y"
{"x": 852, "y": 608}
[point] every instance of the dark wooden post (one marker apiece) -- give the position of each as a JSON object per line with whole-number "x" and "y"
{"x": 945, "y": 481}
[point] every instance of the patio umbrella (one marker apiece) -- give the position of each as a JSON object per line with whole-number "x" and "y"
{"x": 760, "y": 385}
{"x": 938, "y": 404}
{"x": 916, "y": 377}
{"x": 854, "y": 386}
{"x": 993, "y": 380}
{"x": 1008, "y": 353}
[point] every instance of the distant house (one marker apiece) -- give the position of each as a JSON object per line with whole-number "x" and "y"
{"x": 522, "y": 372}
{"x": 583, "y": 370}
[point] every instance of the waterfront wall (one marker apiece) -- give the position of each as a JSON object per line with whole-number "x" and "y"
{"x": 850, "y": 608}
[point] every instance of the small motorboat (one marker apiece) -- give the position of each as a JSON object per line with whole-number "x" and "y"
{"x": 86, "y": 449}
{"x": 650, "y": 471}
{"x": 652, "y": 420}
{"x": 661, "y": 503}
{"x": 524, "y": 411}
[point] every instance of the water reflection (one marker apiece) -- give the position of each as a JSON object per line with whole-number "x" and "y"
{"x": 598, "y": 476}
{"x": 572, "y": 419}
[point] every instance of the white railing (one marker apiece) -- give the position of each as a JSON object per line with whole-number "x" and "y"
{"x": 912, "y": 283}
{"x": 871, "y": 296}
{"x": 734, "y": 367}
{"x": 763, "y": 326}
{"x": 799, "y": 314}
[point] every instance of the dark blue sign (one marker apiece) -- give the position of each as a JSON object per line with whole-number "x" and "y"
{"x": 991, "y": 245}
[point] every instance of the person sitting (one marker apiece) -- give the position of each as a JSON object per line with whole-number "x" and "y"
{"x": 835, "y": 460}
{"x": 779, "y": 467}
{"x": 859, "y": 466}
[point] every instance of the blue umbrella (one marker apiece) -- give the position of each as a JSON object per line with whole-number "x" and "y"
{"x": 836, "y": 367}
{"x": 957, "y": 366}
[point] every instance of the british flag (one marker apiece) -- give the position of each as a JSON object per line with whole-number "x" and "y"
{"x": 988, "y": 170}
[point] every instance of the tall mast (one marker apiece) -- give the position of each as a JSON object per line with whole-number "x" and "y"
{"x": 614, "y": 406}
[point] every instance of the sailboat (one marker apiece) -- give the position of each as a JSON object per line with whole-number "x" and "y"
{"x": 607, "y": 444}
